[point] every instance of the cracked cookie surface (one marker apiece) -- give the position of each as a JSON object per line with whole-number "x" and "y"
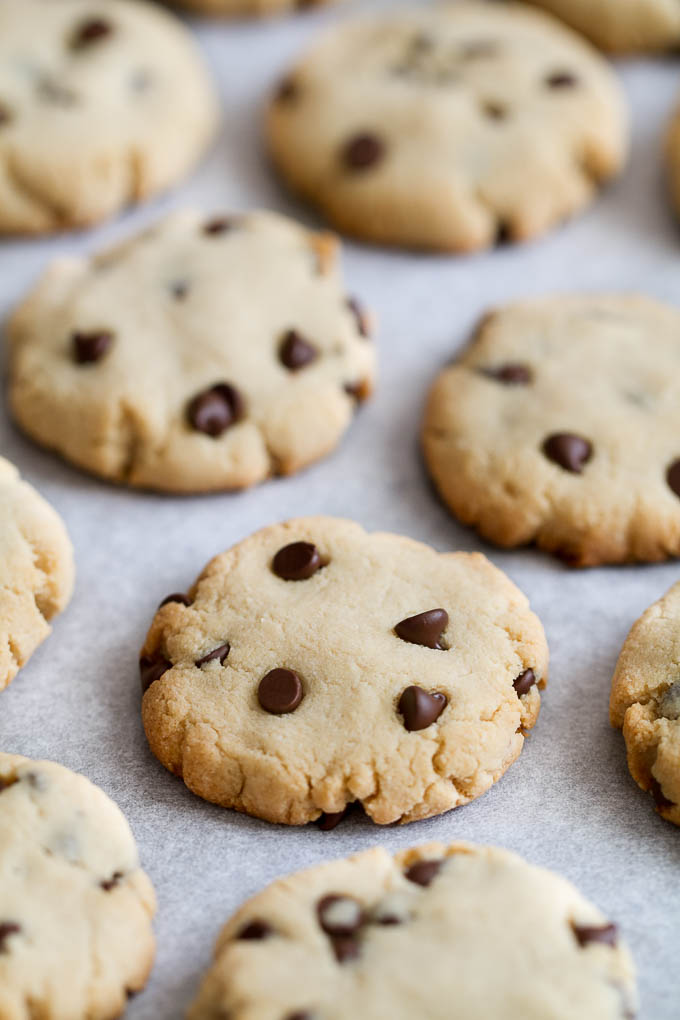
{"x": 449, "y": 127}
{"x": 75, "y": 907}
{"x": 205, "y": 354}
{"x": 315, "y": 664}
{"x": 418, "y": 935}
{"x": 622, "y": 26}
{"x": 101, "y": 105}
{"x": 36, "y": 570}
{"x": 645, "y": 702}
{"x": 559, "y": 425}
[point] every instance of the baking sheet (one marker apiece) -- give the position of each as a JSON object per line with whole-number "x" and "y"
{"x": 569, "y": 802}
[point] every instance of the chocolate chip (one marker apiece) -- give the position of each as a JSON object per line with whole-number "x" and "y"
{"x": 495, "y": 111}
{"x": 91, "y": 347}
{"x": 5, "y": 115}
{"x": 424, "y": 629}
{"x": 7, "y": 928}
{"x": 220, "y": 653}
{"x": 511, "y": 374}
{"x": 669, "y": 703}
{"x": 90, "y": 31}
{"x": 297, "y": 561}
{"x": 219, "y": 225}
{"x": 152, "y": 668}
{"x": 660, "y": 799}
{"x": 363, "y": 151}
{"x": 356, "y": 390}
{"x": 340, "y": 915}
{"x": 423, "y": 872}
{"x": 214, "y": 410}
{"x": 345, "y": 948}
{"x": 571, "y": 452}
{"x": 561, "y": 80}
{"x": 179, "y": 290}
{"x": 6, "y": 783}
{"x": 330, "y": 820}
{"x": 606, "y": 934}
{"x": 419, "y": 708}
{"x": 110, "y": 883}
{"x": 524, "y": 682}
{"x": 288, "y": 90}
{"x": 255, "y": 931}
{"x": 178, "y": 596}
{"x": 673, "y": 477}
{"x": 280, "y": 691}
{"x": 295, "y": 352}
{"x": 360, "y": 317}
{"x": 300, "y": 1015}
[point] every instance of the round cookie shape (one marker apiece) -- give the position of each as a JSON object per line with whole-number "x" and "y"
{"x": 559, "y": 426}
{"x": 75, "y": 907}
{"x": 320, "y": 702}
{"x": 101, "y": 105}
{"x": 621, "y": 26}
{"x": 417, "y": 935}
{"x": 36, "y": 570}
{"x": 449, "y": 127}
{"x": 246, "y": 8}
{"x": 208, "y": 353}
{"x": 645, "y": 702}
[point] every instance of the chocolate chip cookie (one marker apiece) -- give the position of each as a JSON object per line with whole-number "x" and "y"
{"x": 446, "y": 933}
{"x": 560, "y": 425}
{"x": 36, "y": 570}
{"x": 101, "y": 104}
{"x": 449, "y": 126}
{"x": 209, "y": 353}
{"x": 75, "y": 906}
{"x": 314, "y": 665}
{"x": 621, "y": 26}
{"x": 645, "y": 702}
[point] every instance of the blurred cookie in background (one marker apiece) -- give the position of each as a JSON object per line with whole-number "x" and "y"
{"x": 621, "y": 26}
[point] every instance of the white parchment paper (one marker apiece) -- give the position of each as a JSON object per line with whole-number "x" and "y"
{"x": 569, "y": 802}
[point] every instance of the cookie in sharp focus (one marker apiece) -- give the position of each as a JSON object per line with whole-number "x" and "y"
{"x": 101, "y": 105}
{"x": 75, "y": 907}
{"x": 419, "y": 935}
{"x": 449, "y": 126}
{"x": 315, "y": 664}
{"x": 645, "y": 702}
{"x": 621, "y": 26}
{"x": 559, "y": 426}
{"x": 36, "y": 570}
{"x": 208, "y": 353}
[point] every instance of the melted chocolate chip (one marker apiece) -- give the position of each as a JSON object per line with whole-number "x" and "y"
{"x": 280, "y": 691}
{"x": 288, "y": 90}
{"x": 340, "y": 916}
{"x": 360, "y": 317}
{"x": 6, "y": 783}
{"x": 363, "y": 151}
{"x": 606, "y": 934}
{"x": 660, "y": 799}
{"x": 423, "y": 872}
{"x": 345, "y": 948}
{"x": 419, "y": 708}
{"x": 178, "y": 596}
{"x": 7, "y": 928}
{"x": 152, "y": 668}
{"x": 297, "y": 561}
{"x": 219, "y": 225}
{"x": 110, "y": 883}
{"x": 524, "y": 682}
{"x": 571, "y": 452}
{"x": 91, "y": 31}
{"x": 673, "y": 477}
{"x": 424, "y": 629}
{"x": 561, "y": 80}
{"x": 295, "y": 352}
{"x": 215, "y": 410}
{"x": 255, "y": 931}
{"x": 511, "y": 374}
{"x": 91, "y": 347}
{"x": 221, "y": 653}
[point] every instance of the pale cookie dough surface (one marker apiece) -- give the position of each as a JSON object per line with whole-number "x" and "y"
{"x": 208, "y": 353}
{"x": 645, "y": 702}
{"x": 559, "y": 425}
{"x": 36, "y": 570}
{"x": 75, "y": 907}
{"x": 347, "y": 739}
{"x": 101, "y": 105}
{"x": 621, "y": 26}
{"x": 436, "y": 932}
{"x": 246, "y": 8}
{"x": 450, "y": 126}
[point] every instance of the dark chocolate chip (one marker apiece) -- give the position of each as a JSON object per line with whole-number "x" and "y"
{"x": 218, "y": 225}
{"x": 214, "y": 410}
{"x": 6, "y": 783}
{"x": 524, "y": 682}
{"x": 606, "y": 934}
{"x": 91, "y": 347}
{"x": 388, "y": 920}
{"x": 5, "y": 115}
{"x": 152, "y": 668}
{"x": 288, "y": 90}
{"x": 495, "y": 111}
{"x": 356, "y": 390}
{"x": 345, "y": 948}
{"x": 255, "y": 931}
{"x": 340, "y": 916}
{"x": 571, "y": 452}
{"x": 110, "y": 883}
{"x": 363, "y": 151}
{"x": 420, "y": 708}
{"x": 179, "y": 290}
{"x": 301, "y": 1014}
{"x": 220, "y": 653}
{"x": 280, "y": 691}
{"x": 360, "y": 316}
{"x": 423, "y": 872}
{"x": 511, "y": 374}
{"x": 424, "y": 629}
{"x": 673, "y": 477}
{"x": 660, "y": 799}
{"x": 561, "y": 80}
{"x": 297, "y": 561}
{"x": 91, "y": 31}
{"x": 330, "y": 820}
{"x": 295, "y": 352}
{"x": 7, "y": 928}
{"x": 178, "y": 596}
